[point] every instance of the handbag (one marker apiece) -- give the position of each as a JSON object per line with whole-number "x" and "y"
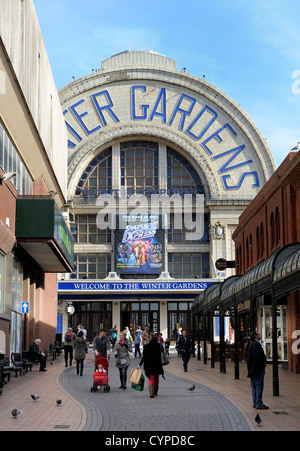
{"x": 135, "y": 376}
{"x": 123, "y": 361}
{"x": 140, "y": 385}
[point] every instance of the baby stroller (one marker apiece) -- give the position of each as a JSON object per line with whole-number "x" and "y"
{"x": 100, "y": 378}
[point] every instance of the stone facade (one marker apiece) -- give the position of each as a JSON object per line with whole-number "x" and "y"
{"x": 142, "y": 95}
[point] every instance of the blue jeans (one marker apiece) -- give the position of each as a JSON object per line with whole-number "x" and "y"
{"x": 257, "y": 389}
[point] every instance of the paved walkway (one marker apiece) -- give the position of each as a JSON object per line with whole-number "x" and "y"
{"x": 218, "y": 403}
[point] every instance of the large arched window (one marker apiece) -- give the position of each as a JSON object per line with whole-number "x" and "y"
{"x": 139, "y": 167}
{"x": 181, "y": 174}
{"x": 97, "y": 176}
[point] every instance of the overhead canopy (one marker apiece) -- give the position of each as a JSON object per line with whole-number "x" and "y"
{"x": 42, "y": 232}
{"x": 281, "y": 272}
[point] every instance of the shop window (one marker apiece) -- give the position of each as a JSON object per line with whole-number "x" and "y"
{"x": 11, "y": 161}
{"x": 265, "y": 326}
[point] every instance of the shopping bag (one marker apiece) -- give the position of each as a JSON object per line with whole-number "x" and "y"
{"x": 135, "y": 376}
{"x": 140, "y": 385}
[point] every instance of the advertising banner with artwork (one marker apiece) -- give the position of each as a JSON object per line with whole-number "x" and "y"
{"x": 139, "y": 244}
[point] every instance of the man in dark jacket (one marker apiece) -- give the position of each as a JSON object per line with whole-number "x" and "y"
{"x": 36, "y": 354}
{"x": 101, "y": 345}
{"x": 185, "y": 346}
{"x": 256, "y": 363}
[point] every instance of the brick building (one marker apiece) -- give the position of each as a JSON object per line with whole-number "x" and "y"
{"x": 264, "y": 292}
{"x": 270, "y": 229}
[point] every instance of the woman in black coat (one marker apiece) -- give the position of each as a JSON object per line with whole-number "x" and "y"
{"x": 152, "y": 364}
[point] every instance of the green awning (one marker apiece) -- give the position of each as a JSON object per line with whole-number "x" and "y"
{"x": 42, "y": 231}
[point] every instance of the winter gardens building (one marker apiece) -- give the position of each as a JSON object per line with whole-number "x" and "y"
{"x": 161, "y": 166}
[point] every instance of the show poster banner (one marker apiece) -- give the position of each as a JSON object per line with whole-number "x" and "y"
{"x": 139, "y": 245}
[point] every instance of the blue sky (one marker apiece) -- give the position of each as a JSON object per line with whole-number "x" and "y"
{"x": 248, "y": 49}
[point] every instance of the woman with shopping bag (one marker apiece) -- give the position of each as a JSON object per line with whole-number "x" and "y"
{"x": 151, "y": 360}
{"x": 137, "y": 379}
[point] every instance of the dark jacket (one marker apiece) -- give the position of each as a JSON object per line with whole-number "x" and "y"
{"x": 102, "y": 345}
{"x": 152, "y": 358}
{"x": 34, "y": 351}
{"x": 256, "y": 359}
{"x": 185, "y": 345}
{"x": 80, "y": 348}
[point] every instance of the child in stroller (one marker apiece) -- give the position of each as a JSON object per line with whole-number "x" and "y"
{"x": 100, "y": 375}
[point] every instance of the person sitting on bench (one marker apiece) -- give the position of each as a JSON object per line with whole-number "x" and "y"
{"x": 36, "y": 354}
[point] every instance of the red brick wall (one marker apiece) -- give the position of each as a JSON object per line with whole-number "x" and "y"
{"x": 282, "y": 193}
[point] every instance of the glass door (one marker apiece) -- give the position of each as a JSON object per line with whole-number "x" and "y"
{"x": 265, "y": 327}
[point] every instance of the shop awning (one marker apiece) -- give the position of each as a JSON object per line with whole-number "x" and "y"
{"x": 42, "y": 231}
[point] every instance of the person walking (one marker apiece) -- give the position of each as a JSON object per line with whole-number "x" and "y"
{"x": 151, "y": 359}
{"x": 137, "y": 344}
{"x": 185, "y": 347}
{"x": 101, "y": 345}
{"x": 68, "y": 346}
{"x": 256, "y": 364}
{"x": 80, "y": 327}
{"x": 80, "y": 348}
{"x": 145, "y": 336}
{"x": 122, "y": 356}
{"x": 114, "y": 336}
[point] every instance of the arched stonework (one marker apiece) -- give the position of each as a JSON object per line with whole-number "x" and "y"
{"x": 143, "y": 94}
{"x": 81, "y": 160}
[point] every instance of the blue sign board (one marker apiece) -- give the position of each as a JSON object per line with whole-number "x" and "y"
{"x": 133, "y": 286}
{"x": 59, "y": 324}
{"x": 25, "y": 307}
